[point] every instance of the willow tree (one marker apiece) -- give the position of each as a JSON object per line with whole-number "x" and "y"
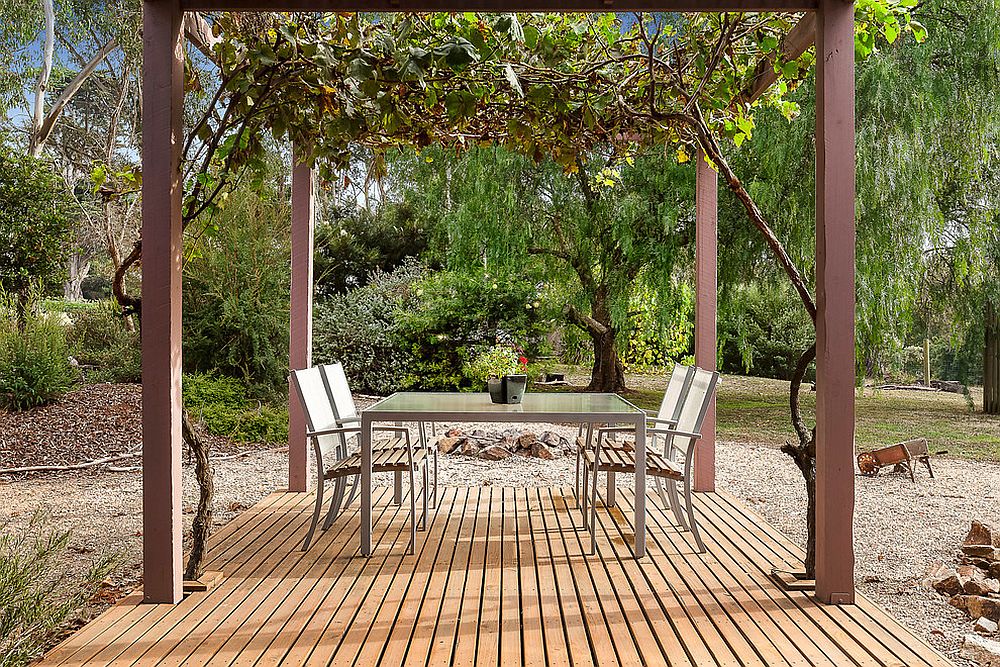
{"x": 599, "y": 236}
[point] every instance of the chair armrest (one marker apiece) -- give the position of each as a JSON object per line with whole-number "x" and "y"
{"x": 331, "y": 431}
{"x": 660, "y": 420}
{"x": 673, "y": 432}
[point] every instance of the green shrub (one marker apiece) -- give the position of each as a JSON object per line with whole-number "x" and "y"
{"x": 236, "y": 296}
{"x": 36, "y": 598}
{"x": 360, "y": 330}
{"x": 224, "y": 406}
{"x": 34, "y": 357}
{"x": 763, "y": 333}
{"x": 455, "y": 316}
{"x": 99, "y": 338}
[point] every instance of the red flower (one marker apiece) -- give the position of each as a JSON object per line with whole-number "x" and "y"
{"x": 523, "y": 360}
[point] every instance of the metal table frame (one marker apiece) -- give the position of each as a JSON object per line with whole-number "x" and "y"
{"x": 574, "y": 408}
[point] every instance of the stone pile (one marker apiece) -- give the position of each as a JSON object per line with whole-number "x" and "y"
{"x": 973, "y": 586}
{"x": 496, "y": 445}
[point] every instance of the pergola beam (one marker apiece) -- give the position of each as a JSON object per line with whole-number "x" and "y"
{"x": 796, "y": 42}
{"x": 498, "y": 6}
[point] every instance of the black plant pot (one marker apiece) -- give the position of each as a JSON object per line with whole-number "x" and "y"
{"x": 507, "y": 390}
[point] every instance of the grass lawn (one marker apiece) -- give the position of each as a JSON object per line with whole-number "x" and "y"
{"x": 756, "y": 410}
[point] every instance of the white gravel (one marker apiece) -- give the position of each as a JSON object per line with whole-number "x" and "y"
{"x": 901, "y": 527}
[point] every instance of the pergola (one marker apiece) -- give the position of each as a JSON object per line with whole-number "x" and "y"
{"x": 829, "y": 22}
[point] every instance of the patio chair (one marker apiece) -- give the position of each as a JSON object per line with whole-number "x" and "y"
{"x": 346, "y": 413}
{"x": 669, "y": 411}
{"x": 333, "y": 462}
{"x": 612, "y": 456}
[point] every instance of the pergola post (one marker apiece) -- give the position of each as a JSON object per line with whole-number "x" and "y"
{"x": 162, "y": 249}
{"x": 835, "y": 356}
{"x": 706, "y": 297}
{"x": 300, "y": 313}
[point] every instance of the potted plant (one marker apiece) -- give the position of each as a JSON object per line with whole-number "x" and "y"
{"x": 504, "y": 369}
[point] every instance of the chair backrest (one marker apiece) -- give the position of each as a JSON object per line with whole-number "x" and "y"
{"x": 344, "y": 408}
{"x": 699, "y": 398}
{"x": 677, "y": 389}
{"x": 310, "y": 386}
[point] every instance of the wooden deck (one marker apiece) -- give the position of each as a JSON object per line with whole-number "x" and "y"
{"x": 502, "y": 577}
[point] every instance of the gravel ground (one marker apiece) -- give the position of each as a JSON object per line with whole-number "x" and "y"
{"x": 901, "y": 528}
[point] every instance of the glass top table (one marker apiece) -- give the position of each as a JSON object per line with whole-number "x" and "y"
{"x": 578, "y": 408}
{"x": 463, "y": 406}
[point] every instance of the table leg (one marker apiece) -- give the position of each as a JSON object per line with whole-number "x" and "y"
{"x": 366, "y": 484}
{"x": 610, "y": 497}
{"x": 640, "y": 487}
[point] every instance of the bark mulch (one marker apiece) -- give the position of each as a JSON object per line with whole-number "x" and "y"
{"x": 92, "y": 422}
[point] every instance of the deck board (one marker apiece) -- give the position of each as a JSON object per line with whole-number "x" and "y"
{"x": 502, "y": 577}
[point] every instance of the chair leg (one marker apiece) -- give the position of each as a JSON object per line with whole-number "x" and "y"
{"x": 338, "y": 497}
{"x": 316, "y": 512}
{"x": 434, "y": 497}
{"x": 355, "y": 485}
{"x": 690, "y": 510}
{"x": 397, "y": 487}
{"x": 593, "y": 515}
{"x": 675, "y": 504}
{"x": 423, "y": 489}
{"x": 413, "y": 513}
{"x": 661, "y": 492}
{"x": 585, "y": 494}
{"x": 609, "y": 499}
{"x": 576, "y": 480}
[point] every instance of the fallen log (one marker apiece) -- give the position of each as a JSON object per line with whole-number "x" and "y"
{"x": 906, "y": 387}
{"x": 75, "y": 466}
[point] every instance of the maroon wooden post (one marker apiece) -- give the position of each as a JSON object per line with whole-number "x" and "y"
{"x": 300, "y": 320}
{"x": 835, "y": 360}
{"x": 162, "y": 127}
{"x": 706, "y": 297}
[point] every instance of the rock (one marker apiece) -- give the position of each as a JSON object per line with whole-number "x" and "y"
{"x": 985, "y": 652}
{"x": 981, "y": 534}
{"x": 526, "y": 440}
{"x": 551, "y": 439}
{"x": 454, "y": 433}
{"x": 469, "y": 447}
{"x": 540, "y": 451}
{"x": 980, "y": 585}
{"x": 948, "y": 584}
{"x": 980, "y": 551}
{"x": 447, "y": 445}
{"x": 980, "y": 606}
{"x": 494, "y": 453}
{"x": 985, "y": 626}
{"x": 994, "y": 570}
{"x": 960, "y": 602}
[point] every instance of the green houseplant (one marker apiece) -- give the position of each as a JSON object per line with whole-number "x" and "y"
{"x": 503, "y": 368}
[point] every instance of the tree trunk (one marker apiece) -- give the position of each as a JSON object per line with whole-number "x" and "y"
{"x": 608, "y": 373}
{"x": 991, "y": 362}
{"x": 78, "y": 269}
{"x": 927, "y": 362}
{"x": 202, "y": 525}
